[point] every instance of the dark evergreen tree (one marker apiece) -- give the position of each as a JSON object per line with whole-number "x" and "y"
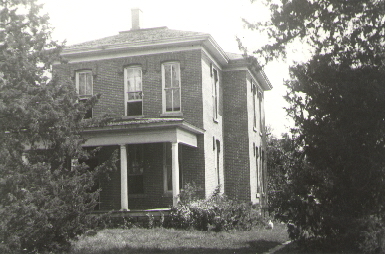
{"x": 336, "y": 189}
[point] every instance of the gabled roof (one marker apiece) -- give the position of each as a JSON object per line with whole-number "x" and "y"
{"x": 140, "y": 36}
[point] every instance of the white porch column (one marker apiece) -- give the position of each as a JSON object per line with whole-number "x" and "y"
{"x": 123, "y": 178}
{"x": 175, "y": 172}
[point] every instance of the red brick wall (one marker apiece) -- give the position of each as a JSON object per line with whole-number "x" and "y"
{"x": 194, "y": 165}
{"x": 236, "y": 143}
{"x": 109, "y": 75}
{"x": 108, "y": 81}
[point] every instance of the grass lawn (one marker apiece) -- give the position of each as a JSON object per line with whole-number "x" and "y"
{"x": 160, "y": 240}
{"x": 293, "y": 248}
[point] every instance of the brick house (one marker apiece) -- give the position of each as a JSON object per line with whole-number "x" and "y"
{"x": 186, "y": 111}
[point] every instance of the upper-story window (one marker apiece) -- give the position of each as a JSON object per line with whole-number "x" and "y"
{"x": 254, "y": 90}
{"x": 215, "y": 81}
{"x": 260, "y": 111}
{"x": 133, "y": 93}
{"x": 84, "y": 87}
{"x": 171, "y": 87}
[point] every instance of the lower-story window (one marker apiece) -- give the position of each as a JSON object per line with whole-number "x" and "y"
{"x": 135, "y": 169}
{"x": 218, "y": 151}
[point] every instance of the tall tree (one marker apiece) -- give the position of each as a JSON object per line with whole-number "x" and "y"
{"x": 279, "y": 158}
{"x": 338, "y": 105}
{"x": 43, "y": 200}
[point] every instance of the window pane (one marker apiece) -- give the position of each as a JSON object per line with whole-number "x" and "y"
{"x": 136, "y": 72}
{"x": 137, "y": 75}
{"x": 134, "y": 108}
{"x": 138, "y": 82}
{"x": 82, "y": 81}
{"x": 175, "y": 76}
{"x": 168, "y": 100}
{"x": 134, "y": 79}
{"x": 167, "y": 75}
{"x": 255, "y": 111}
{"x": 176, "y": 97}
{"x": 129, "y": 84}
{"x": 88, "y": 83}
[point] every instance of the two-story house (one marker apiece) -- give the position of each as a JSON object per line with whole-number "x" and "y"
{"x": 186, "y": 111}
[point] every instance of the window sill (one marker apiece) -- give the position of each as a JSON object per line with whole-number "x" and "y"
{"x": 172, "y": 114}
{"x": 84, "y": 96}
{"x": 215, "y": 120}
{"x": 255, "y": 129}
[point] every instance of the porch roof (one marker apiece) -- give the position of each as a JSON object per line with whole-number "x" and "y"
{"x": 142, "y": 130}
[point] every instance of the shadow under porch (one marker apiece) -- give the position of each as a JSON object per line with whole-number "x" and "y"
{"x": 154, "y": 163}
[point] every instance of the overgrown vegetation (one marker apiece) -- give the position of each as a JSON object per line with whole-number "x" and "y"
{"x": 45, "y": 192}
{"x": 334, "y": 192}
{"x": 217, "y": 213}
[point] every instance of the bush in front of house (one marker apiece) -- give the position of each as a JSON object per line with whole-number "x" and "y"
{"x": 217, "y": 213}
{"x": 372, "y": 235}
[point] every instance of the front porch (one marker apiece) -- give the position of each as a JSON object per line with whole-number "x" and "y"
{"x": 156, "y": 157}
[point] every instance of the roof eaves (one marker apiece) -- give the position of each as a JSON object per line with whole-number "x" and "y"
{"x": 142, "y": 124}
{"x": 214, "y": 47}
{"x": 251, "y": 64}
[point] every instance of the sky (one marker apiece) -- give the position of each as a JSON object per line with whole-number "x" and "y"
{"x": 78, "y": 21}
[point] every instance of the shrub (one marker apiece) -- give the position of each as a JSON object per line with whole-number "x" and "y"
{"x": 216, "y": 213}
{"x": 190, "y": 193}
{"x": 372, "y": 235}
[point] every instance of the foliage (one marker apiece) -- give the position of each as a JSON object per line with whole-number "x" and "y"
{"x": 216, "y": 213}
{"x": 280, "y": 159}
{"x": 350, "y": 32}
{"x": 189, "y": 193}
{"x": 372, "y": 235}
{"x": 336, "y": 100}
{"x": 43, "y": 199}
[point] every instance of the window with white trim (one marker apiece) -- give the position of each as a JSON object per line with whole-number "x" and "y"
{"x": 84, "y": 87}
{"x": 133, "y": 93}
{"x": 218, "y": 153}
{"x": 254, "y": 91}
{"x": 215, "y": 93}
{"x": 260, "y": 111}
{"x": 257, "y": 168}
{"x": 171, "y": 87}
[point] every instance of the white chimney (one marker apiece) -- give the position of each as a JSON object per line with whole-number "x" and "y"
{"x": 136, "y": 18}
